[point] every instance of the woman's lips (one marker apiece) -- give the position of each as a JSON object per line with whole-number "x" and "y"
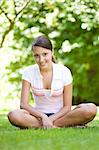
{"x": 42, "y": 65}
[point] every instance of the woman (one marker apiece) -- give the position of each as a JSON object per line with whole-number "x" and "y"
{"x": 51, "y": 86}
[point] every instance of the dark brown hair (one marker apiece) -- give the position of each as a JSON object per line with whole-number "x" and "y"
{"x": 43, "y": 41}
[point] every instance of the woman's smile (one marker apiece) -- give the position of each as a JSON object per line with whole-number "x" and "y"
{"x": 43, "y": 57}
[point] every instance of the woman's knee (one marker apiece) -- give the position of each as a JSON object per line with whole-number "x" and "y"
{"x": 89, "y": 110}
{"x": 13, "y": 116}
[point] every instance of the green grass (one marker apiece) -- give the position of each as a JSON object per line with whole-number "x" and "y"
{"x": 12, "y": 138}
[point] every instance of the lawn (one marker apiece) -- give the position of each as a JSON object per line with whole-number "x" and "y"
{"x": 12, "y": 138}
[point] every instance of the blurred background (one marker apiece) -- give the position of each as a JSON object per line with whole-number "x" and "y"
{"x": 73, "y": 28}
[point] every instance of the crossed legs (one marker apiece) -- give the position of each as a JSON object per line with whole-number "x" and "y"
{"x": 80, "y": 115}
{"x": 22, "y": 119}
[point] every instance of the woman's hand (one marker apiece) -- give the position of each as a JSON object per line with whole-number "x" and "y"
{"x": 46, "y": 122}
{"x": 52, "y": 118}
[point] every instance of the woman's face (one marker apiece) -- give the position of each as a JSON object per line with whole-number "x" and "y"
{"x": 43, "y": 57}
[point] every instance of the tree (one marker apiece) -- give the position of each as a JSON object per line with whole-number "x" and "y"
{"x": 10, "y": 16}
{"x": 73, "y": 27}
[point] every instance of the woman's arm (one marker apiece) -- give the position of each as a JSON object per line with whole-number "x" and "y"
{"x": 67, "y": 103}
{"x": 24, "y": 104}
{"x": 44, "y": 119}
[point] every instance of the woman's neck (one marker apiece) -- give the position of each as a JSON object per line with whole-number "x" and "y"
{"x": 49, "y": 69}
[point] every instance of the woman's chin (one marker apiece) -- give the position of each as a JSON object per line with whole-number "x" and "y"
{"x": 43, "y": 66}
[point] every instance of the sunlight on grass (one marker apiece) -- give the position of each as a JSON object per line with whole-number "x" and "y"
{"x": 54, "y": 139}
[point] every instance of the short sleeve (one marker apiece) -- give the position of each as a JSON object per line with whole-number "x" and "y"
{"x": 25, "y": 75}
{"x": 67, "y": 76}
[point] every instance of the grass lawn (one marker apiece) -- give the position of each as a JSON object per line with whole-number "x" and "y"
{"x": 12, "y": 138}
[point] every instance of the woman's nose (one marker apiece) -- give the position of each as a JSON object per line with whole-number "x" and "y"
{"x": 41, "y": 59}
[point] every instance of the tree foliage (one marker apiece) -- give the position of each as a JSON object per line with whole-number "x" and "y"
{"x": 72, "y": 26}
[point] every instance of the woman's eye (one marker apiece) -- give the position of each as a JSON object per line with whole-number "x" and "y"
{"x": 44, "y": 54}
{"x": 36, "y": 56}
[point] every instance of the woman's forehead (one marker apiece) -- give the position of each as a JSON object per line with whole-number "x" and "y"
{"x": 37, "y": 49}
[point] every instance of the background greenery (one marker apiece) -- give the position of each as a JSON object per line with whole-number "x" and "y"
{"x": 72, "y": 26}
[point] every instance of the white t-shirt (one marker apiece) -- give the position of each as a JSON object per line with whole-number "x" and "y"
{"x": 48, "y": 101}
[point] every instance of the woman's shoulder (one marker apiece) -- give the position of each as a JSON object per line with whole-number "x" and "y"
{"x": 30, "y": 68}
{"x": 62, "y": 67}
